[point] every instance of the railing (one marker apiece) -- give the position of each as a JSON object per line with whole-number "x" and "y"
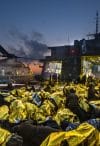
{"x": 16, "y": 79}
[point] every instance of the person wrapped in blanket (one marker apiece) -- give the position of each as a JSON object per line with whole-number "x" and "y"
{"x": 92, "y": 92}
{"x": 84, "y": 135}
{"x": 67, "y": 126}
{"x": 72, "y": 102}
{"x": 39, "y": 135}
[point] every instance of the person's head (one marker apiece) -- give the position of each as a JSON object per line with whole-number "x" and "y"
{"x": 64, "y": 143}
{"x": 10, "y": 86}
{"x": 64, "y": 124}
{"x": 72, "y": 90}
{"x": 91, "y": 85}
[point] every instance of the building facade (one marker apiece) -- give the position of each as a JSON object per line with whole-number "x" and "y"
{"x": 12, "y": 68}
{"x": 68, "y": 62}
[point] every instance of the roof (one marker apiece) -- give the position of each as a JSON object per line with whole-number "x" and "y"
{"x": 59, "y": 47}
{"x": 6, "y": 54}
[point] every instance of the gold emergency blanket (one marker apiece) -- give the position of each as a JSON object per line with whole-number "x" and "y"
{"x": 17, "y": 111}
{"x": 4, "y": 136}
{"x": 65, "y": 113}
{"x": 31, "y": 109}
{"x": 96, "y": 103}
{"x": 4, "y": 112}
{"x": 85, "y": 134}
{"x": 47, "y": 107}
{"x": 84, "y": 104}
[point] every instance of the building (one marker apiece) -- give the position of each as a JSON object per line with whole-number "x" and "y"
{"x": 68, "y": 62}
{"x": 11, "y": 66}
{"x": 62, "y": 64}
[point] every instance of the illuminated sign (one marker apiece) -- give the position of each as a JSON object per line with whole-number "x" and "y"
{"x": 91, "y": 65}
{"x": 54, "y": 67}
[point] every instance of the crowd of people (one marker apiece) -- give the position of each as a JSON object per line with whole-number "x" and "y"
{"x": 59, "y": 114}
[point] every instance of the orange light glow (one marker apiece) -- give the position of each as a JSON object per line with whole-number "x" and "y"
{"x": 35, "y": 68}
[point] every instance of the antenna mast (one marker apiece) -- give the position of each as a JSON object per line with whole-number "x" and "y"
{"x": 96, "y": 34}
{"x": 97, "y": 21}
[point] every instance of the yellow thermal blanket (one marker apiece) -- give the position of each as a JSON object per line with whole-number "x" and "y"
{"x": 4, "y": 136}
{"x": 17, "y": 111}
{"x": 4, "y": 112}
{"x": 85, "y": 134}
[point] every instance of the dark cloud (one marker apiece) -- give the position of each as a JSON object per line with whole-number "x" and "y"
{"x": 28, "y": 46}
{"x": 35, "y": 48}
{"x": 37, "y": 36}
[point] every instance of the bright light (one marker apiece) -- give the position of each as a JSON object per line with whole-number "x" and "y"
{"x": 91, "y": 65}
{"x": 54, "y": 67}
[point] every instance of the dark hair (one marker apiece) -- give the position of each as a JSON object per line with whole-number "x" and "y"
{"x": 72, "y": 90}
{"x": 64, "y": 143}
{"x": 64, "y": 124}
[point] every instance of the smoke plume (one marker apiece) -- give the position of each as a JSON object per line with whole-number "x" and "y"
{"x": 32, "y": 46}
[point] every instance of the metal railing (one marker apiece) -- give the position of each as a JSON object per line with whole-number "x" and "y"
{"x": 16, "y": 78}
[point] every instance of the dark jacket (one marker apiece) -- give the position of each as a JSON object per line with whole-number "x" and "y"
{"x": 72, "y": 100}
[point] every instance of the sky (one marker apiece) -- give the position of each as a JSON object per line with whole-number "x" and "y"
{"x": 27, "y": 27}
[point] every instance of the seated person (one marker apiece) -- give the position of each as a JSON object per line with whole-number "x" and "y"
{"x": 92, "y": 93}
